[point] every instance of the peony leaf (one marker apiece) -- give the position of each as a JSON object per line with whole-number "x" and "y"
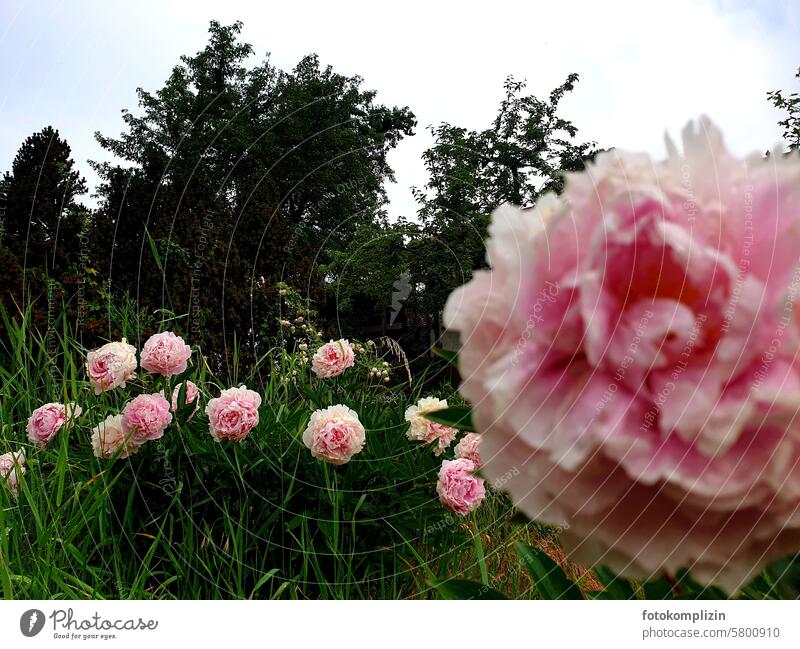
{"x": 448, "y": 355}
{"x": 658, "y": 588}
{"x": 549, "y": 578}
{"x": 184, "y": 409}
{"x": 466, "y": 589}
{"x": 458, "y": 417}
{"x": 616, "y": 587}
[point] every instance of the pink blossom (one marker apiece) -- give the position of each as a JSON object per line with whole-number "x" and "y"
{"x": 48, "y": 419}
{"x": 146, "y": 417}
{"x": 12, "y": 466}
{"x": 334, "y": 434}
{"x": 111, "y": 366}
{"x": 632, "y": 360}
{"x": 468, "y": 449}
{"x": 165, "y": 354}
{"x": 110, "y": 437}
{"x": 233, "y": 414}
{"x": 332, "y": 359}
{"x": 424, "y": 430}
{"x": 459, "y": 490}
{"x": 191, "y": 397}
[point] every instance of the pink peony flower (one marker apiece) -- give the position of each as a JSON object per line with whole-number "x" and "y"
{"x": 468, "y": 449}
{"x": 12, "y": 466}
{"x": 332, "y": 359}
{"x": 632, "y": 360}
{"x": 334, "y": 434}
{"x": 146, "y": 417}
{"x": 111, "y": 436}
{"x": 165, "y": 354}
{"x": 111, "y": 366}
{"x": 191, "y": 397}
{"x": 233, "y": 414}
{"x": 459, "y": 490}
{"x": 425, "y": 430}
{"x": 48, "y": 419}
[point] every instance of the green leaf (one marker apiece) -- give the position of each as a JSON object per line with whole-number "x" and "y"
{"x": 312, "y": 396}
{"x": 548, "y": 577}
{"x": 657, "y": 589}
{"x": 616, "y": 587}
{"x": 458, "y": 417}
{"x": 448, "y": 355}
{"x": 465, "y": 589}
{"x": 263, "y": 580}
{"x": 154, "y": 250}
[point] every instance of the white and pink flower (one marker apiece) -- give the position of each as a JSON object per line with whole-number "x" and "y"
{"x": 146, "y": 417}
{"x": 111, "y": 366}
{"x": 166, "y": 354}
{"x": 12, "y": 466}
{"x": 332, "y": 359}
{"x": 111, "y": 437}
{"x": 469, "y": 449}
{"x": 424, "y": 430}
{"x": 459, "y": 489}
{"x": 632, "y": 360}
{"x": 192, "y": 393}
{"x": 233, "y": 414}
{"x": 334, "y": 434}
{"x": 47, "y": 420}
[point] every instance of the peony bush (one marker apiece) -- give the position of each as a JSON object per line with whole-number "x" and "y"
{"x": 142, "y": 451}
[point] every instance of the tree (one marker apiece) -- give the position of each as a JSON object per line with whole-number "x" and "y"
{"x": 370, "y": 280}
{"x": 42, "y": 225}
{"x": 282, "y": 167}
{"x": 523, "y": 154}
{"x": 42, "y": 217}
{"x": 791, "y": 104}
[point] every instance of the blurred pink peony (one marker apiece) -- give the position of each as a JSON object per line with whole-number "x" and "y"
{"x": 332, "y": 359}
{"x": 146, "y": 417}
{"x": 165, "y": 354}
{"x": 334, "y": 434}
{"x": 469, "y": 449}
{"x": 12, "y": 466}
{"x": 191, "y": 397}
{"x": 48, "y": 419}
{"x": 425, "y": 430}
{"x": 632, "y": 359}
{"x": 233, "y": 414}
{"x": 110, "y": 436}
{"x": 459, "y": 490}
{"x": 111, "y": 366}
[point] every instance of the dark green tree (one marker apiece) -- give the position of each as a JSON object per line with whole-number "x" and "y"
{"x": 41, "y": 228}
{"x": 370, "y": 280}
{"x": 42, "y": 216}
{"x": 521, "y": 155}
{"x": 281, "y": 167}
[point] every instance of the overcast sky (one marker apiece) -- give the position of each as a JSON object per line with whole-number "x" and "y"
{"x": 644, "y": 67}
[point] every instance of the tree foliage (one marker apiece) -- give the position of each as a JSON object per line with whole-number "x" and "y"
{"x": 233, "y": 178}
{"x": 42, "y": 216}
{"x": 42, "y": 224}
{"x": 790, "y": 103}
{"x": 521, "y": 155}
